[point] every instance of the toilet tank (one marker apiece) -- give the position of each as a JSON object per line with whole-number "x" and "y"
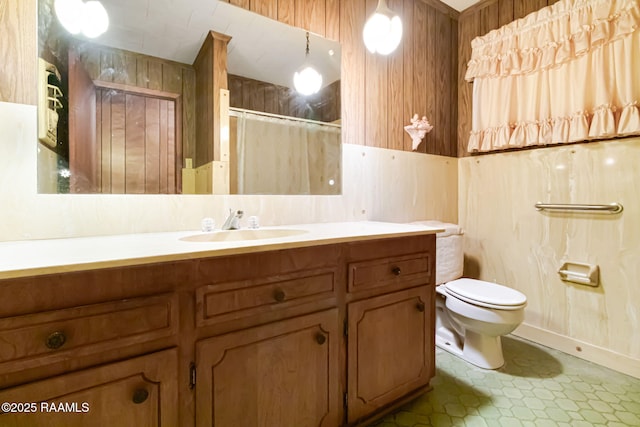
{"x": 449, "y": 252}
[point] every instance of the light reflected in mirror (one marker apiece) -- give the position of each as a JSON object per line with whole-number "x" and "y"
{"x": 119, "y": 114}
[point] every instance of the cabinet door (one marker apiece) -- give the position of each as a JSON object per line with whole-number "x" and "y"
{"x": 390, "y": 348}
{"x": 140, "y": 392}
{"x": 281, "y": 374}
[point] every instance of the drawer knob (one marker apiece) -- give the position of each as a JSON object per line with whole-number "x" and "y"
{"x": 396, "y": 270}
{"x": 420, "y": 306}
{"x": 279, "y": 295}
{"x": 55, "y": 340}
{"x": 321, "y": 338}
{"x": 140, "y": 395}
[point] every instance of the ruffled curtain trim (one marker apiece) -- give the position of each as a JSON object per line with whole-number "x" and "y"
{"x": 551, "y": 36}
{"x": 600, "y": 123}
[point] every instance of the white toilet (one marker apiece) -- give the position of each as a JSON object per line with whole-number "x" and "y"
{"x": 471, "y": 315}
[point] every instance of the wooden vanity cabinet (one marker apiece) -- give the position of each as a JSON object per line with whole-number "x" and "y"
{"x": 326, "y": 335}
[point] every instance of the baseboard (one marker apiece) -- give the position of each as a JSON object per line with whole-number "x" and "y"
{"x": 601, "y": 356}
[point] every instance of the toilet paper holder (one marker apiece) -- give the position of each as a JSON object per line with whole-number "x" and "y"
{"x": 580, "y": 273}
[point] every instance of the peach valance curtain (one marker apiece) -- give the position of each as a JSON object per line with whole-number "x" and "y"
{"x": 569, "y": 72}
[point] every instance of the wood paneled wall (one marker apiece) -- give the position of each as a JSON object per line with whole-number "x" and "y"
{"x": 133, "y": 69}
{"x": 477, "y": 21}
{"x": 256, "y": 95}
{"x": 19, "y": 69}
{"x": 380, "y": 94}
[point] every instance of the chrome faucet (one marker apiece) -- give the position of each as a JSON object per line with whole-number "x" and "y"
{"x": 233, "y": 220}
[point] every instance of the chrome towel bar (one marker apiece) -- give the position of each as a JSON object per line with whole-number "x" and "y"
{"x": 613, "y": 208}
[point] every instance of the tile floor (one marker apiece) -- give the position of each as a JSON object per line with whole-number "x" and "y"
{"x": 538, "y": 386}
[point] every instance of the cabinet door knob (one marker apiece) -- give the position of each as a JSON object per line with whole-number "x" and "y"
{"x": 279, "y": 295}
{"x": 55, "y": 340}
{"x": 396, "y": 270}
{"x": 420, "y": 306}
{"x": 321, "y": 338}
{"x": 140, "y": 395}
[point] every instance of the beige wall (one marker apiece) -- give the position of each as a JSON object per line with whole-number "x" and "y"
{"x": 378, "y": 184}
{"x": 509, "y": 242}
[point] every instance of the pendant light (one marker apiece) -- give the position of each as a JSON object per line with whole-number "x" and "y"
{"x": 307, "y": 80}
{"x": 76, "y": 16}
{"x": 383, "y": 31}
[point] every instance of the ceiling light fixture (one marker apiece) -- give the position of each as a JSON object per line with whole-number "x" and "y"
{"x": 383, "y": 31}
{"x": 307, "y": 80}
{"x": 76, "y": 16}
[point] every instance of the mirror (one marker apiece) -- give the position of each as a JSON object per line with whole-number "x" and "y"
{"x": 117, "y": 114}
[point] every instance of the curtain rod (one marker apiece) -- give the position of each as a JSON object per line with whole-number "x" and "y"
{"x": 279, "y": 116}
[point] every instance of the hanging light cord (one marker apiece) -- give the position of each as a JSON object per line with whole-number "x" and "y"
{"x": 307, "y": 51}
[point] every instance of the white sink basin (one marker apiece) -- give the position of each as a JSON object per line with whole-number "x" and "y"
{"x": 246, "y": 234}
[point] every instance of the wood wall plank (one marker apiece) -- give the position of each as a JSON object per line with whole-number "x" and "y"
{"x": 332, "y": 19}
{"x": 286, "y": 11}
{"x": 395, "y": 88}
{"x": 188, "y": 113}
{"x": 245, "y": 4}
{"x": 311, "y": 15}
{"x": 134, "y": 144}
{"x": 268, "y": 8}
{"x": 105, "y": 140}
{"x": 155, "y": 75}
{"x": 117, "y": 143}
{"x": 430, "y": 78}
{"x": 163, "y": 146}
{"x": 420, "y": 54}
{"x": 521, "y": 8}
{"x": 443, "y": 71}
{"x": 489, "y": 17}
{"x": 152, "y": 145}
{"x": 376, "y": 86}
{"x": 352, "y": 18}
{"x": 407, "y": 72}
{"x": 453, "y": 91}
{"x": 505, "y": 14}
{"x": 17, "y": 47}
{"x": 172, "y": 143}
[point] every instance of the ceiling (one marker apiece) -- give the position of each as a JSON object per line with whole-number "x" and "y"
{"x": 460, "y": 5}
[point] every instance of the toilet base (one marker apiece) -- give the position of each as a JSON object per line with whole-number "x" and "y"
{"x": 481, "y": 350}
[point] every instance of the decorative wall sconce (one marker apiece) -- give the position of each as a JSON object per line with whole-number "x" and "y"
{"x": 307, "y": 80}
{"x": 417, "y": 130}
{"x": 383, "y": 31}
{"x": 76, "y": 16}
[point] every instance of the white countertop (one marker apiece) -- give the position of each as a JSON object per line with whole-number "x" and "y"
{"x": 39, "y": 257}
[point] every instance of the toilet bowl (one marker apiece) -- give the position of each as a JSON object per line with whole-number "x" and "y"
{"x": 471, "y": 315}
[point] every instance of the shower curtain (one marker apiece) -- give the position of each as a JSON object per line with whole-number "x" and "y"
{"x": 283, "y": 155}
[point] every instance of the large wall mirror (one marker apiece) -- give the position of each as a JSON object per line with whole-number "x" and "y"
{"x": 123, "y": 113}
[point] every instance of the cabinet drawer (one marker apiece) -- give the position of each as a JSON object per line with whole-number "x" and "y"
{"x": 402, "y": 271}
{"x": 60, "y": 334}
{"x": 142, "y": 391}
{"x": 230, "y": 301}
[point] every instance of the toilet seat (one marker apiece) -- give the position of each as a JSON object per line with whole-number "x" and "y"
{"x": 486, "y": 294}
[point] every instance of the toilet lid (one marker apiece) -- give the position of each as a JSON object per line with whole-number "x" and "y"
{"x": 486, "y": 294}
